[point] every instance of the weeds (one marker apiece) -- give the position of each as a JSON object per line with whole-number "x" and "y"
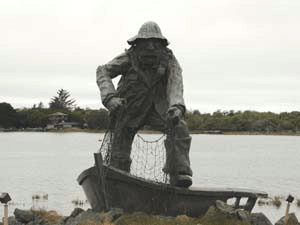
{"x": 51, "y": 217}
{"x": 38, "y": 197}
{"x": 276, "y": 201}
{"x": 141, "y": 218}
{"x": 262, "y": 202}
{"x": 78, "y": 202}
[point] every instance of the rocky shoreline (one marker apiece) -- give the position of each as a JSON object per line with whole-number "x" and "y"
{"x": 219, "y": 214}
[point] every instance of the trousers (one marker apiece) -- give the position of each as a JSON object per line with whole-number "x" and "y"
{"x": 177, "y": 143}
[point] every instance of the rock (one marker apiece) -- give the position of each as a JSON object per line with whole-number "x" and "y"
{"x": 259, "y": 219}
{"x": 12, "y": 221}
{"x": 65, "y": 219}
{"x": 222, "y": 206}
{"x": 37, "y": 221}
{"x": 113, "y": 214}
{"x": 87, "y": 217}
{"x": 220, "y": 211}
{"x": 76, "y": 212}
{"x": 243, "y": 215}
{"x": 143, "y": 218}
{"x": 292, "y": 220}
{"x": 73, "y": 214}
{"x": 23, "y": 216}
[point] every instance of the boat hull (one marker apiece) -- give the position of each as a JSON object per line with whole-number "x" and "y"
{"x": 107, "y": 187}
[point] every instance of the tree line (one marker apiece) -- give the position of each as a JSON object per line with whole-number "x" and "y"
{"x": 244, "y": 121}
{"x": 38, "y": 116}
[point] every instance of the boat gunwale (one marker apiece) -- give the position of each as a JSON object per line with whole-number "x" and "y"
{"x": 118, "y": 175}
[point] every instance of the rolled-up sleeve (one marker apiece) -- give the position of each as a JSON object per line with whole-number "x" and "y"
{"x": 175, "y": 84}
{"x": 105, "y": 74}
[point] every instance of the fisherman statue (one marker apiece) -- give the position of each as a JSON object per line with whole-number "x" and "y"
{"x": 149, "y": 92}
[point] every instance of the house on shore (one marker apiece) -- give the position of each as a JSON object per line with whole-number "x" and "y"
{"x": 60, "y": 120}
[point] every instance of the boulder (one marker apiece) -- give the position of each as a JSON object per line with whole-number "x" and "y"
{"x": 113, "y": 214}
{"x": 292, "y": 220}
{"x": 259, "y": 219}
{"x": 221, "y": 211}
{"x": 12, "y": 221}
{"x": 23, "y": 216}
{"x": 86, "y": 217}
{"x": 38, "y": 221}
{"x": 76, "y": 212}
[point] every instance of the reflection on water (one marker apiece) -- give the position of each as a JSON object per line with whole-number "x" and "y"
{"x": 49, "y": 163}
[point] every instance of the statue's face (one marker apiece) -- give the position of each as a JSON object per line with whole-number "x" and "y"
{"x": 149, "y": 51}
{"x": 150, "y": 44}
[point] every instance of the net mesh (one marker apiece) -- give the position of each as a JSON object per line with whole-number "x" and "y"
{"x": 148, "y": 156}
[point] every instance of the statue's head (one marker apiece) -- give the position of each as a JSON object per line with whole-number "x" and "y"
{"x": 149, "y": 31}
{"x": 149, "y": 46}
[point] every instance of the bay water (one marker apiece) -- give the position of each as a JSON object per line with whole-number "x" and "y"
{"x": 46, "y": 165}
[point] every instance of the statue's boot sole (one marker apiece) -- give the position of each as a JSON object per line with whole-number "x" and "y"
{"x": 182, "y": 181}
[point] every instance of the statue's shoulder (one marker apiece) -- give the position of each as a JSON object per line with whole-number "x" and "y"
{"x": 121, "y": 60}
{"x": 170, "y": 53}
{"x": 172, "y": 59}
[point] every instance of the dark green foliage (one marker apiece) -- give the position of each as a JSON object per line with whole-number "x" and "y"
{"x": 62, "y": 101}
{"x": 243, "y": 121}
{"x": 98, "y": 119}
{"x": 38, "y": 116}
{"x": 32, "y": 118}
{"x": 7, "y": 115}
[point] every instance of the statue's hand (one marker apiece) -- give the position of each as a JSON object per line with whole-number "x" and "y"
{"x": 115, "y": 103}
{"x": 174, "y": 115}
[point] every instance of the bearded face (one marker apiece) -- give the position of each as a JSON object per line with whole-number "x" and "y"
{"x": 149, "y": 52}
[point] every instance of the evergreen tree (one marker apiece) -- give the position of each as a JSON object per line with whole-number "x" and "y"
{"x": 62, "y": 101}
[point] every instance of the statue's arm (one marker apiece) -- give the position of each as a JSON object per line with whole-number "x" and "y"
{"x": 105, "y": 74}
{"x": 175, "y": 85}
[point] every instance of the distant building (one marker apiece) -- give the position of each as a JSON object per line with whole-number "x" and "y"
{"x": 60, "y": 120}
{"x": 58, "y": 117}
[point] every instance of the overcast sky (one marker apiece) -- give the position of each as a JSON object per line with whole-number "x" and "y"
{"x": 240, "y": 55}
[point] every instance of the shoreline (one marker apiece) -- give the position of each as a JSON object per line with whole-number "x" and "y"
{"x": 211, "y": 132}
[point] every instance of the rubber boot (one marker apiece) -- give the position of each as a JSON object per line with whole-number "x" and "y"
{"x": 178, "y": 161}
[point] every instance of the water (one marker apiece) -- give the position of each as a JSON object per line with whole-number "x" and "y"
{"x": 49, "y": 163}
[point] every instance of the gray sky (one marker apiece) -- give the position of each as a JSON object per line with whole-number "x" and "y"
{"x": 240, "y": 55}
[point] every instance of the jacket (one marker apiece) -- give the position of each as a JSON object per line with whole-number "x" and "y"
{"x": 141, "y": 89}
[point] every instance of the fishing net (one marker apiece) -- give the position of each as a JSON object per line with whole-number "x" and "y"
{"x": 148, "y": 156}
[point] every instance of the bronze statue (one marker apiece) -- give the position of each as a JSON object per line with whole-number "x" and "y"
{"x": 150, "y": 92}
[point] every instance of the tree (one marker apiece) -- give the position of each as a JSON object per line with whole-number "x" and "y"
{"x": 62, "y": 101}
{"x": 41, "y": 105}
{"x": 98, "y": 119}
{"x": 7, "y": 115}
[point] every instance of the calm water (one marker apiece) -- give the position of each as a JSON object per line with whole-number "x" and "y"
{"x": 49, "y": 163}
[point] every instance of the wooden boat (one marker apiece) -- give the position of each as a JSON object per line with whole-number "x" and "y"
{"x": 107, "y": 187}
